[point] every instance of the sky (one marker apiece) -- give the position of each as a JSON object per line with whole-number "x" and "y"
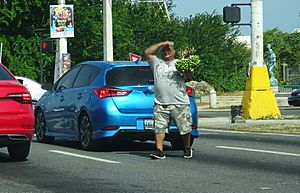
{"x": 281, "y": 14}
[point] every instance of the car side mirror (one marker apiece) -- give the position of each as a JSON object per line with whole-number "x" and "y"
{"x": 20, "y": 80}
{"x": 47, "y": 86}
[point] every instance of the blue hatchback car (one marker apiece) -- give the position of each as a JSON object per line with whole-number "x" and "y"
{"x": 100, "y": 101}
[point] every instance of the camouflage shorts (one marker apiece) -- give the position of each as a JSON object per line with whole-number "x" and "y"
{"x": 180, "y": 114}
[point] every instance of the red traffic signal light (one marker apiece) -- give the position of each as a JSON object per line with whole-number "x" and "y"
{"x": 47, "y": 45}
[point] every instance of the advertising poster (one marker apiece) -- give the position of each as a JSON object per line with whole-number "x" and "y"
{"x": 61, "y": 21}
{"x": 66, "y": 58}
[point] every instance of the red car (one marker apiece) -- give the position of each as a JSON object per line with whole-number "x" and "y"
{"x": 16, "y": 115}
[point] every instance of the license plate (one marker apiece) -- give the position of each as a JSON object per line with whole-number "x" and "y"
{"x": 149, "y": 124}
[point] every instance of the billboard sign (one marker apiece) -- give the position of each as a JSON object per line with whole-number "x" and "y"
{"x": 61, "y": 21}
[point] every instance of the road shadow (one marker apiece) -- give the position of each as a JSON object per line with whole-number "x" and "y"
{"x": 5, "y": 158}
{"x": 117, "y": 146}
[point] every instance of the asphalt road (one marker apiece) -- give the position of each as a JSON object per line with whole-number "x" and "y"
{"x": 222, "y": 162}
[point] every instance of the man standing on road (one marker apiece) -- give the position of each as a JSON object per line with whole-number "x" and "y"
{"x": 170, "y": 97}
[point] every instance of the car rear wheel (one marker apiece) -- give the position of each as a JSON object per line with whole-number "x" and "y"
{"x": 85, "y": 132}
{"x": 40, "y": 128}
{"x": 177, "y": 143}
{"x": 19, "y": 151}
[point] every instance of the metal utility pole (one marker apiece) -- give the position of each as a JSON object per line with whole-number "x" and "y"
{"x": 0, "y": 53}
{"x": 107, "y": 30}
{"x": 61, "y": 48}
{"x": 41, "y": 31}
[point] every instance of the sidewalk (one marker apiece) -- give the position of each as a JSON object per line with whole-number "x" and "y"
{"x": 224, "y": 122}
{"x": 225, "y": 102}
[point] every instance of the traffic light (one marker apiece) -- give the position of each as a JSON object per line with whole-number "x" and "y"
{"x": 231, "y": 14}
{"x": 47, "y": 45}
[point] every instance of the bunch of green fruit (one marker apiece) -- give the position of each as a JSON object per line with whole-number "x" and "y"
{"x": 188, "y": 64}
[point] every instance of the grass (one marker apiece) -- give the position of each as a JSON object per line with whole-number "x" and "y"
{"x": 286, "y": 128}
{"x": 269, "y": 128}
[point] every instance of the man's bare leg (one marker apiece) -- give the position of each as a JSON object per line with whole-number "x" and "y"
{"x": 159, "y": 141}
{"x": 186, "y": 140}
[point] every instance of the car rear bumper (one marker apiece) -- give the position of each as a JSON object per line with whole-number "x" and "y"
{"x": 8, "y": 139}
{"x": 104, "y": 116}
{"x": 21, "y": 124}
{"x": 134, "y": 134}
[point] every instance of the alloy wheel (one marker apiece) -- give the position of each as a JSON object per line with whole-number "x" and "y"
{"x": 85, "y": 131}
{"x": 40, "y": 128}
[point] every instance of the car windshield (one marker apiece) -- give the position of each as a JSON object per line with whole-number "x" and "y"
{"x": 4, "y": 75}
{"x": 128, "y": 76}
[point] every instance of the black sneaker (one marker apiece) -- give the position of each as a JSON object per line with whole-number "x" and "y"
{"x": 158, "y": 154}
{"x": 188, "y": 153}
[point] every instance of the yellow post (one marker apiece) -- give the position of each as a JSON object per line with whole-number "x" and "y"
{"x": 258, "y": 99}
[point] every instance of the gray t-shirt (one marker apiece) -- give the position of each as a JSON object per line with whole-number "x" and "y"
{"x": 169, "y": 84}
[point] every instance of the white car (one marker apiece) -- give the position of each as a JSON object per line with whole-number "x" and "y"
{"x": 34, "y": 88}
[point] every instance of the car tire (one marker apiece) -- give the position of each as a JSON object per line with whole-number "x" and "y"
{"x": 19, "y": 151}
{"x": 85, "y": 132}
{"x": 177, "y": 143}
{"x": 40, "y": 128}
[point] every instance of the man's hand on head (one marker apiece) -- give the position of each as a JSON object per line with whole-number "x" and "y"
{"x": 167, "y": 43}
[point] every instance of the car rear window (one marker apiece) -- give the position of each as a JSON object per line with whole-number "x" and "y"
{"x": 129, "y": 76}
{"x": 4, "y": 75}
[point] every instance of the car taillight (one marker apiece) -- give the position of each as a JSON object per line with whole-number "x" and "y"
{"x": 110, "y": 128}
{"x": 110, "y": 92}
{"x": 194, "y": 127}
{"x": 20, "y": 97}
{"x": 190, "y": 91}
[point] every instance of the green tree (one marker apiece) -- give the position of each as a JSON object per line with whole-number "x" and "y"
{"x": 135, "y": 27}
{"x": 286, "y": 47}
{"x": 18, "y": 23}
{"x": 88, "y": 41}
{"x": 223, "y": 59}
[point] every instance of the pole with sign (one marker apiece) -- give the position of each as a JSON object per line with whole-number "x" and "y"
{"x": 258, "y": 99}
{"x": 61, "y": 26}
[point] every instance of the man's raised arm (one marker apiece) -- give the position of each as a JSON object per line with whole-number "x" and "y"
{"x": 150, "y": 52}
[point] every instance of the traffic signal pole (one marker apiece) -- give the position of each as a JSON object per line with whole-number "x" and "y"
{"x": 41, "y": 58}
{"x": 61, "y": 48}
{"x": 258, "y": 99}
{"x": 257, "y": 33}
{"x": 107, "y": 30}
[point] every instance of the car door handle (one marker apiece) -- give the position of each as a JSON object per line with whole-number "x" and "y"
{"x": 79, "y": 96}
{"x": 62, "y": 98}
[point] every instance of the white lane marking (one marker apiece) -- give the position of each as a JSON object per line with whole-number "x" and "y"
{"x": 245, "y": 132}
{"x": 259, "y": 150}
{"x": 84, "y": 156}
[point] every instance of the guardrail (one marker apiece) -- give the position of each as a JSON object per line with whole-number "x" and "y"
{"x": 287, "y": 88}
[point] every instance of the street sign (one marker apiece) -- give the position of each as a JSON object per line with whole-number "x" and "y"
{"x": 133, "y": 57}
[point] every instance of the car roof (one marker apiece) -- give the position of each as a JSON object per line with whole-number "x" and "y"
{"x": 27, "y": 79}
{"x": 107, "y": 64}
